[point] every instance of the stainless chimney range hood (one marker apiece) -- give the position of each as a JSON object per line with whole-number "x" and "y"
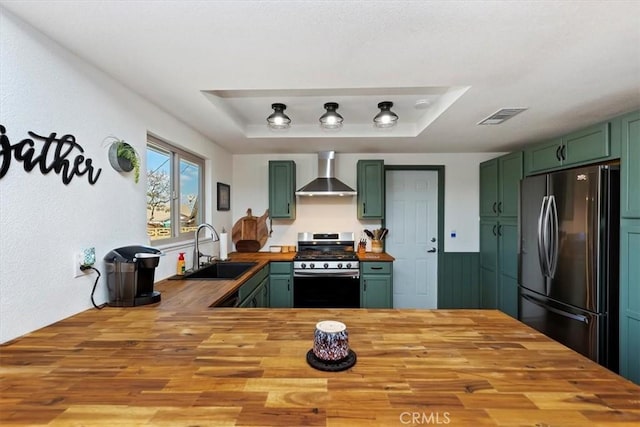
{"x": 326, "y": 184}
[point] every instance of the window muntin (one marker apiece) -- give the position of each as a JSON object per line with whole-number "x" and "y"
{"x": 175, "y": 192}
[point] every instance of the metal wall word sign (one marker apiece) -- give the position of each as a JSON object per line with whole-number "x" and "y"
{"x": 63, "y": 155}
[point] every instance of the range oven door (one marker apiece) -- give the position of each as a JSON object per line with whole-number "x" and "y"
{"x": 313, "y": 290}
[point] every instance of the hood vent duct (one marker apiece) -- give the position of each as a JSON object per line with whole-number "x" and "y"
{"x": 326, "y": 184}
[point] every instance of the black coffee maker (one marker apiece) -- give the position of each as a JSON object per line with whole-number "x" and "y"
{"x": 130, "y": 275}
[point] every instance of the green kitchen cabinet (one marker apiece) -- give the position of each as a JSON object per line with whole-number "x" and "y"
{"x": 500, "y": 185}
{"x": 370, "y": 198}
{"x": 630, "y": 166}
{"x": 282, "y": 188}
{"x": 630, "y": 248}
{"x": 258, "y": 298}
{"x": 593, "y": 144}
{"x": 281, "y": 285}
{"x": 507, "y": 284}
{"x": 499, "y": 264}
{"x": 630, "y": 299}
{"x": 248, "y": 288}
{"x": 489, "y": 243}
{"x": 249, "y": 292}
{"x": 376, "y": 284}
{"x": 489, "y": 188}
{"x": 499, "y": 204}
{"x": 544, "y": 156}
{"x": 488, "y": 288}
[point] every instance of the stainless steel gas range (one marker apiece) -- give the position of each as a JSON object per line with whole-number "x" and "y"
{"x": 326, "y": 271}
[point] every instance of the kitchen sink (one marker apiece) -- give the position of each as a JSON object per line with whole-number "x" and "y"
{"x": 221, "y": 270}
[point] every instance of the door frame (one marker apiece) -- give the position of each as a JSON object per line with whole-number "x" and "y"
{"x": 440, "y": 170}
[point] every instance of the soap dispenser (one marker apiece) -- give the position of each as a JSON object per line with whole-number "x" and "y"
{"x": 181, "y": 266}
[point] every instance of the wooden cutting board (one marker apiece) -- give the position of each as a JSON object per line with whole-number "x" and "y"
{"x": 251, "y": 228}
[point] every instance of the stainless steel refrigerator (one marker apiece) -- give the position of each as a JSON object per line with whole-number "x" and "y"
{"x": 568, "y": 269}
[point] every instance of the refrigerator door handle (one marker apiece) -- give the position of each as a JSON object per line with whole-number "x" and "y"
{"x": 578, "y": 317}
{"x": 542, "y": 250}
{"x": 553, "y": 253}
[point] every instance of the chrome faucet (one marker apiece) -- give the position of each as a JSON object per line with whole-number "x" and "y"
{"x": 196, "y": 246}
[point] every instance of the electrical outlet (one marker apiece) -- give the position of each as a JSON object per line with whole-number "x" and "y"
{"x": 86, "y": 258}
{"x": 78, "y": 258}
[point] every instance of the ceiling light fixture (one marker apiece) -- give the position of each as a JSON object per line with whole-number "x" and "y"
{"x": 331, "y": 119}
{"x": 278, "y": 119}
{"x": 385, "y": 118}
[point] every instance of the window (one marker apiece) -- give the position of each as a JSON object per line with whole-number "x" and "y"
{"x": 175, "y": 189}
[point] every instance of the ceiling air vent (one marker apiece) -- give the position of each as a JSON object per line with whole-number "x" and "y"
{"x": 500, "y": 116}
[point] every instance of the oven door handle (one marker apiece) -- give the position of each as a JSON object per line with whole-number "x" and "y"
{"x": 352, "y": 274}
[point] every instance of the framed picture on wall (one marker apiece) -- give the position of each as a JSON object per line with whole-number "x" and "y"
{"x": 224, "y": 197}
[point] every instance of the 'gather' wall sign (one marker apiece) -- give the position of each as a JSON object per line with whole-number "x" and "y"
{"x": 55, "y": 155}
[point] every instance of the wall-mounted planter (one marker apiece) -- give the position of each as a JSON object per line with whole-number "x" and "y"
{"x": 124, "y": 158}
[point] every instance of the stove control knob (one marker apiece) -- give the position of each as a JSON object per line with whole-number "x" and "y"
{"x": 348, "y": 265}
{"x": 326, "y": 265}
{"x": 312, "y": 265}
{"x": 339, "y": 265}
{"x": 303, "y": 265}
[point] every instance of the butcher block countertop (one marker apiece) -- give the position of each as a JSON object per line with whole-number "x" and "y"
{"x": 200, "y": 294}
{"x": 246, "y": 367}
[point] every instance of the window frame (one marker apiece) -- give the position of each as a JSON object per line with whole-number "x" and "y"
{"x": 176, "y": 155}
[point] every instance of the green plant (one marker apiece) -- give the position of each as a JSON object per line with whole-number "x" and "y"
{"x": 129, "y": 153}
{"x": 125, "y": 151}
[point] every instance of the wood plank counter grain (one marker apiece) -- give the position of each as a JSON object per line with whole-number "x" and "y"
{"x": 246, "y": 367}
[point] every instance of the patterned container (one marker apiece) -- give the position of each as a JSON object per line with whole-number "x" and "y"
{"x": 331, "y": 341}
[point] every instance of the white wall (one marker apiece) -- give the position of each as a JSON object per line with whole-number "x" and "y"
{"x": 250, "y": 190}
{"x": 45, "y": 89}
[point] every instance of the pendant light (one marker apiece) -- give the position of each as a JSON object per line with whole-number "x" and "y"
{"x": 278, "y": 119}
{"x": 331, "y": 119}
{"x": 385, "y": 118}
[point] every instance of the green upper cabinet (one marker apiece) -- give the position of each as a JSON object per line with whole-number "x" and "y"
{"x": 510, "y": 169}
{"x": 500, "y": 186}
{"x": 489, "y": 188}
{"x": 630, "y": 166}
{"x": 589, "y": 144}
{"x": 593, "y": 144}
{"x": 370, "y": 189}
{"x": 543, "y": 156}
{"x": 282, "y": 188}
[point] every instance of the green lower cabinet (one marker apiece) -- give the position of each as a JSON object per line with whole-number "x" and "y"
{"x": 508, "y": 295}
{"x": 630, "y": 299}
{"x": 281, "y": 285}
{"x": 376, "y": 292}
{"x": 258, "y": 298}
{"x": 376, "y": 285}
{"x": 508, "y": 267}
{"x": 499, "y": 264}
{"x": 488, "y": 288}
{"x": 458, "y": 280}
{"x": 263, "y": 300}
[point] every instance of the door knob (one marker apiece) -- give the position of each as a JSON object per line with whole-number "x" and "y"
{"x": 433, "y": 239}
{"x": 432, "y": 250}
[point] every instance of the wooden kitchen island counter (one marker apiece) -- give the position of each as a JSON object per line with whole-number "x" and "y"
{"x": 145, "y": 366}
